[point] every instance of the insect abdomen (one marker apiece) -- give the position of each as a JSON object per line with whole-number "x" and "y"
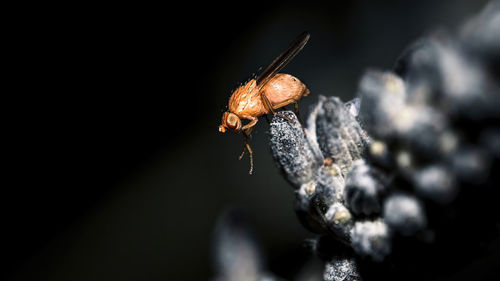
{"x": 284, "y": 87}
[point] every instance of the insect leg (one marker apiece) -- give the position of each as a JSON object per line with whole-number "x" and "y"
{"x": 247, "y": 130}
{"x": 250, "y": 124}
{"x": 285, "y": 103}
{"x": 285, "y": 117}
{"x": 272, "y": 107}
{"x": 242, "y": 153}
{"x": 269, "y": 106}
{"x": 297, "y": 113}
{"x": 246, "y": 133}
{"x": 296, "y": 106}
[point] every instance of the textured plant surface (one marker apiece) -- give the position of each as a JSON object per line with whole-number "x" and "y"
{"x": 402, "y": 178}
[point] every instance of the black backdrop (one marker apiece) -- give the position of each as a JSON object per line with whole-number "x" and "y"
{"x": 118, "y": 171}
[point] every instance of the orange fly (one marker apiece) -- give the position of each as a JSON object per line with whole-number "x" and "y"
{"x": 269, "y": 91}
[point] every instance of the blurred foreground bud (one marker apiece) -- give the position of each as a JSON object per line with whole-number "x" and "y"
{"x": 371, "y": 238}
{"x": 362, "y": 189}
{"x": 471, "y": 164}
{"x": 383, "y": 98}
{"x": 437, "y": 183}
{"x": 404, "y": 214}
{"x": 481, "y": 34}
{"x": 235, "y": 251}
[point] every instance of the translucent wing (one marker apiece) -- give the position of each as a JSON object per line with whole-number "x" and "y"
{"x": 282, "y": 60}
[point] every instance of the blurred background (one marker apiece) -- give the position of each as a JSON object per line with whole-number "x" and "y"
{"x": 118, "y": 169}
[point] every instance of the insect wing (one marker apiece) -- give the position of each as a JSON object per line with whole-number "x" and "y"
{"x": 282, "y": 60}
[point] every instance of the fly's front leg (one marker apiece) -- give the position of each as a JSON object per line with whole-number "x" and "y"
{"x": 247, "y": 130}
{"x": 249, "y": 126}
{"x": 246, "y": 133}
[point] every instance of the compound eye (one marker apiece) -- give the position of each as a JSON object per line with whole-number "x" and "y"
{"x": 233, "y": 122}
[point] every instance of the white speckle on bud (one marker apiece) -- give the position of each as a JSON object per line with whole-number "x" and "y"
{"x": 341, "y": 269}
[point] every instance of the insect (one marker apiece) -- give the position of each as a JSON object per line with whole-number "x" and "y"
{"x": 269, "y": 91}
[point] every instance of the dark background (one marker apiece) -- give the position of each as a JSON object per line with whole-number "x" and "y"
{"x": 116, "y": 169}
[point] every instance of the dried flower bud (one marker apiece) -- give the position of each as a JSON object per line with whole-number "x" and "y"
{"x": 340, "y": 220}
{"x": 404, "y": 213}
{"x": 291, "y": 150}
{"x": 339, "y": 135}
{"x": 383, "y": 98}
{"x": 436, "y": 182}
{"x": 362, "y": 189}
{"x": 371, "y": 238}
{"x": 379, "y": 153}
{"x": 471, "y": 164}
{"x": 330, "y": 186}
